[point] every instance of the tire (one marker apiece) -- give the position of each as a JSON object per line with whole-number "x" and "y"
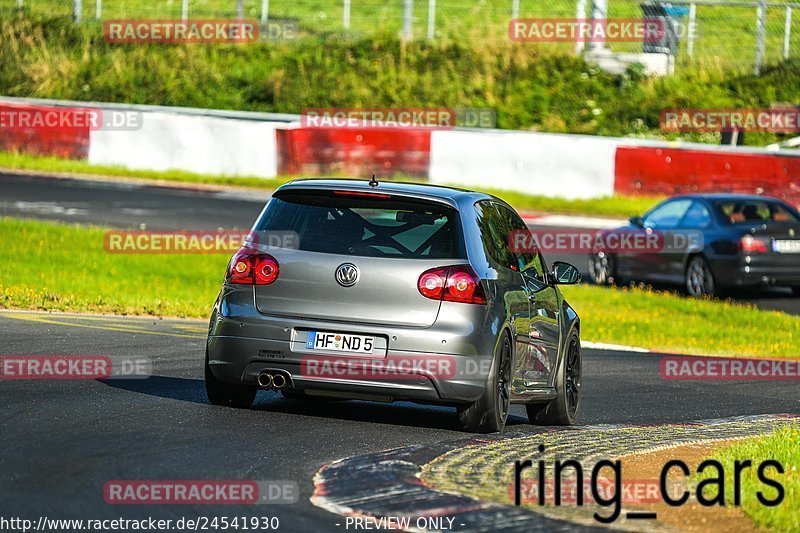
{"x": 564, "y": 410}
{"x": 601, "y": 268}
{"x": 698, "y": 280}
{"x": 488, "y": 414}
{"x": 796, "y": 290}
{"x": 228, "y": 394}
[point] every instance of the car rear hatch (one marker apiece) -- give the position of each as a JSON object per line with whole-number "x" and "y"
{"x": 769, "y": 236}
{"x": 782, "y": 244}
{"x": 379, "y": 243}
{"x": 783, "y": 237}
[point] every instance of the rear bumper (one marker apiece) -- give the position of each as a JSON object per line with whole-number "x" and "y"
{"x": 359, "y": 377}
{"x": 757, "y": 271}
{"x": 448, "y": 362}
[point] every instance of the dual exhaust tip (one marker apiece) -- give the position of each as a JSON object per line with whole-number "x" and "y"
{"x": 272, "y": 380}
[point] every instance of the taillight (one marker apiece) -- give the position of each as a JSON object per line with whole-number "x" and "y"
{"x": 452, "y": 284}
{"x": 462, "y": 284}
{"x": 750, "y": 245}
{"x": 251, "y": 267}
{"x": 431, "y": 283}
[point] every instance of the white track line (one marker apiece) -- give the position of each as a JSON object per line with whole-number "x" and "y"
{"x": 574, "y": 221}
{"x": 616, "y": 347}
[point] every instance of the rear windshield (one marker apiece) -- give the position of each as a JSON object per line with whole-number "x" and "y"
{"x": 337, "y": 223}
{"x": 754, "y": 211}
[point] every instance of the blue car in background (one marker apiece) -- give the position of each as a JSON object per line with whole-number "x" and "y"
{"x": 707, "y": 243}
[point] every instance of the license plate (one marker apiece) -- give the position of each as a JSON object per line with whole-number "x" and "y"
{"x": 786, "y": 247}
{"x": 339, "y": 342}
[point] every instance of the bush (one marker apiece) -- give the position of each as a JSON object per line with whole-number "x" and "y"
{"x": 529, "y": 87}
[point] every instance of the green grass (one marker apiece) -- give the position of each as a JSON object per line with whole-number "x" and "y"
{"x": 669, "y": 322}
{"x": 611, "y": 206}
{"x": 783, "y": 446}
{"x": 66, "y": 268}
{"x": 530, "y": 87}
{"x": 606, "y": 206}
{"x": 37, "y": 163}
{"x": 726, "y": 34}
{"x": 59, "y": 267}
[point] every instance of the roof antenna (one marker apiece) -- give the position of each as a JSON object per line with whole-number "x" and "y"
{"x": 373, "y": 182}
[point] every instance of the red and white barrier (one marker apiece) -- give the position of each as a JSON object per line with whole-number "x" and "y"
{"x": 67, "y": 135}
{"x": 663, "y": 170}
{"x": 571, "y": 166}
{"x": 256, "y": 144}
{"x": 201, "y": 144}
{"x": 358, "y": 151}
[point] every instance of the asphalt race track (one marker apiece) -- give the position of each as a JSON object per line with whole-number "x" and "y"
{"x": 124, "y": 204}
{"x": 62, "y": 440}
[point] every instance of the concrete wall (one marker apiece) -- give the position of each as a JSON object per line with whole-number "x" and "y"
{"x": 202, "y": 144}
{"x": 569, "y": 166}
{"x": 258, "y": 144}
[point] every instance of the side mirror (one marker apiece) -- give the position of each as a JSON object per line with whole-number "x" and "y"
{"x": 636, "y": 221}
{"x": 565, "y": 274}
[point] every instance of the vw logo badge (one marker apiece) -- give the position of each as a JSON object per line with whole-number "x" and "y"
{"x": 347, "y": 274}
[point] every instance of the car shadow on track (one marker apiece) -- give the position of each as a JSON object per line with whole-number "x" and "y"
{"x": 184, "y": 389}
{"x": 398, "y": 413}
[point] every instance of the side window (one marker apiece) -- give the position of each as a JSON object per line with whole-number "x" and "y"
{"x": 743, "y": 212}
{"x": 668, "y": 215}
{"x": 526, "y": 251}
{"x": 697, "y": 216}
{"x": 495, "y": 234}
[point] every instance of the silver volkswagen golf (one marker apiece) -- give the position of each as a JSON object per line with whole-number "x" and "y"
{"x": 354, "y": 290}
